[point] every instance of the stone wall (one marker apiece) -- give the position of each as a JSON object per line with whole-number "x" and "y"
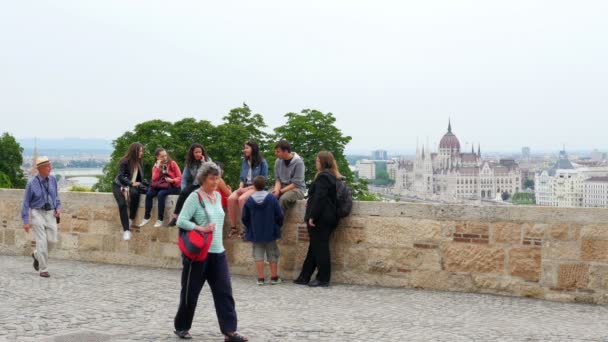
{"x": 541, "y": 252}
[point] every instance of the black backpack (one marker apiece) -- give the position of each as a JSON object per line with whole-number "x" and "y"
{"x": 344, "y": 199}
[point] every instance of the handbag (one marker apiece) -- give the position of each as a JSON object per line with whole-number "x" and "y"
{"x": 193, "y": 243}
{"x": 160, "y": 184}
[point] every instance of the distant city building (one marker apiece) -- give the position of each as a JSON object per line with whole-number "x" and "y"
{"x": 568, "y": 185}
{"x": 452, "y": 175}
{"x": 595, "y": 192}
{"x": 525, "y": 153}
{"x": 379, "y": 155}
{"x": 598, "y": 156}
{"x": 367, "y": 169}
{"x": 391, "y": 169}
{"x": 403, "y": 176}
{"x": 34, "y": 170}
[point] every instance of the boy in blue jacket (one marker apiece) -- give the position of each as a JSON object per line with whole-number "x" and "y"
{"x": 263, "y": 218}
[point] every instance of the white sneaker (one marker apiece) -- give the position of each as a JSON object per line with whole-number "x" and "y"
{"x": 158, "y": 224}
{"x": 126, "y": 235}
{"x": 143, "y": 222}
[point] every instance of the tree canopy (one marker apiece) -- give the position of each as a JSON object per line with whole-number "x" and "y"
{"x": 11, "y": 159}
{"x": 309, "y": 132}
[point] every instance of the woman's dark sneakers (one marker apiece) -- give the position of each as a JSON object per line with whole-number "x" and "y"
{"x": 318, "y": 283}
{"x": 173, "y": 222}
{"x": 301, "y": 281}
{"x": 185, "y": 334}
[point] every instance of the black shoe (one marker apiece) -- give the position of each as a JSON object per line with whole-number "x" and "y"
{"x": 185, "y": 334}
{"x": 36, "y": 265}
{"x": 318, "y": 283}
{"x": 173, "y": 222}
{"x": 301, "y": 281}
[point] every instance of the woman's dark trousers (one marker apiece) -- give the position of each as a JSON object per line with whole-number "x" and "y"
{"x": 215, "y": 271}
{"x": 122, "y": 205}
{"x": 182, "y": 198}
{"x": 162, "y": 197}
{"x": 318, "y": 253}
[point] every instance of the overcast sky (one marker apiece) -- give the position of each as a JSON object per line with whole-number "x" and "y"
{"x": 508, "y": 73}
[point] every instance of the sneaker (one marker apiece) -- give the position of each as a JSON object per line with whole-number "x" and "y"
{"x": 36, "y": 265}
{"x": 184, "y": 334}
{"x": 45, "y": 274}
{"x": 277, "y": 280}
{"x": 143, "y": 222}
{"x": 173, "y": 222}
{"x": 158, "y": 224}
{"x": 126, "y": 235}
{"x": 260, "y": 281}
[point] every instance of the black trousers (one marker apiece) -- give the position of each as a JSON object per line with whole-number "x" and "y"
{"x": 215, "y": 271}
{"x": 181, "y": 199}
{"x": 318, "y": 252}
{"x": 122, "y": 205}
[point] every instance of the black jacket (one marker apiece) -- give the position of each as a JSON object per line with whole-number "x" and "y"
{"x": 124, "y": 176}
{"x": 321, "y": 204}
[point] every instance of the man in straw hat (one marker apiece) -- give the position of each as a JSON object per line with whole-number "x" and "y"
{"x": 42, "y": 201}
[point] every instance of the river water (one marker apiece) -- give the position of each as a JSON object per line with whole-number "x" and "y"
{"x": 73, "y": 176}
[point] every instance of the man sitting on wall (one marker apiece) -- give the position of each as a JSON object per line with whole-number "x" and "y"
{"x": 289, "y": 173}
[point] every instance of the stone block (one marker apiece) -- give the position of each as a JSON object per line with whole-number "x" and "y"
{"x": 598, "y": 277}
{"x": 548, "y": 275}
{"x": 356, "y": 258}
{"x": 594, "y": 250}
{"x": 560, "y": 231}
{"x": 349, "y": 235}
{"x": 474, "y": 228}
{"x": 108, "y": 214}
{"x": 572, "y": 276}
{"x": 595, "y": 231}
{"x": 139, "y": 245}
{"x": 289, "y": 232}
{"x": 561, "y": 250}
{"x": 525, "y": 263}
{"x": 506, "y": 232}
{"x": 89, "y": 242}
{"x": 445, "y": 281}
{"x": 473, "y": 258}
{"x": 529, "y": 290}
{"x": 109, "y": 243}
{"x": 80, "y": 225}
{"x": 68, "y": 241}
{"x": 9, "y": 237}
{"x": 494, "y": 283}
{"x": 535, "y": 231}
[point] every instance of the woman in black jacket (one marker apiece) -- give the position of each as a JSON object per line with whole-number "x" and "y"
{"x": 125, "y": 187}
{"x": 321, "y": 220}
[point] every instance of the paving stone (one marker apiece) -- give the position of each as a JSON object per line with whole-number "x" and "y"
{"x": 122, "y": 303}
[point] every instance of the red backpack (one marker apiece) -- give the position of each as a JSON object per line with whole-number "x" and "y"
{"x": 193, "y": 243}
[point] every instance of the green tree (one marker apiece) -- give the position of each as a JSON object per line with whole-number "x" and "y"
{"x": 312, "y": 131}
{"x": 11, "y": 158}
{"x": 152, "y": 134}
{"x": 239, "y": 126}
{"x": 80, "y": 188}
{"x": 5, "y": 182}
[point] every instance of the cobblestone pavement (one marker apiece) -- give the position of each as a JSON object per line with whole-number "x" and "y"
{"x": 97, "y": 302}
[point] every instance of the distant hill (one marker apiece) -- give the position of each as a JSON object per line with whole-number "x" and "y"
{"x": 74, "y": 144}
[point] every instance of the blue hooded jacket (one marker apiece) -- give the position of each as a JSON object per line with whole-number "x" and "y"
{"x": 263, "y": 220}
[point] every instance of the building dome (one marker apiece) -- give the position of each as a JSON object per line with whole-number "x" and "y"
{"x": 449, "y": 140}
